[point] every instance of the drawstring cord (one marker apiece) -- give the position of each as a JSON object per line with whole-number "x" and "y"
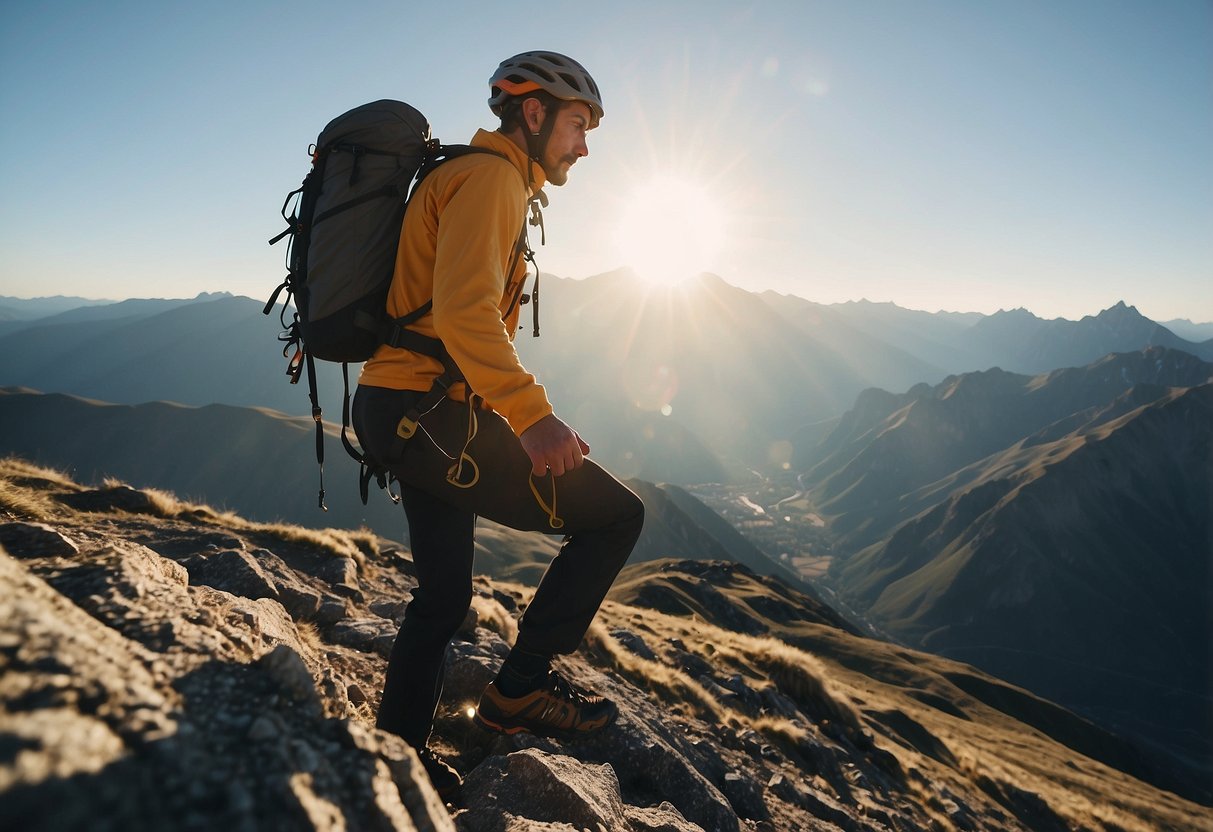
{"x": 454, "y": 474}
{"x": 550, "y": 510}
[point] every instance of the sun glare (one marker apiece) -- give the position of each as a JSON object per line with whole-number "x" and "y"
{"x": 671, "y": 229}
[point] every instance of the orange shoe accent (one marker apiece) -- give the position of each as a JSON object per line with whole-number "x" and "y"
{"x": 558, "y": 709}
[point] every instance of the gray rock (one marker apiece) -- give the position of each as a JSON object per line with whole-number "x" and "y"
{"x": 660, "y": 762}
{"x": 332, "y": 610}
{"x": 663, "y": 818}
{"x": 412, "y": 785}
{"x": 301, "y": 602}
{"x": 472, "y": 665}
{"x": 744, "y": 693}
{"x": 118, "y": 498}
{"x": 745, "y": 796}
{"x": 286, "y": 668}
{"x": 34, "y": 540}
{"x": 369, "y": 635}
{"x": 391, "y": 610}
{"x": 634, "y": 643}
{"x": 542, "y": 787}
{"x": 775, "y": 701}
{"x": 265, "y": 727}
{"x": 337, "y": 572}
{"x": 232, "y": 571}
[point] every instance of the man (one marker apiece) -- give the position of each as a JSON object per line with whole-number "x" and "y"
{"x": 492, "y": 447}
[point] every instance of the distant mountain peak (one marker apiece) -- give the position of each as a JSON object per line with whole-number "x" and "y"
{"x": 1120, "y": 310}
{"x": 1017, "y": 312}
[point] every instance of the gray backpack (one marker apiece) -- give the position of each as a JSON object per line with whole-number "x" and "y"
{"x": 344, "y": 229}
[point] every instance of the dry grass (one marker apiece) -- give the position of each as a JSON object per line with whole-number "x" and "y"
{"x": 1000, "y": 777}
{"x": 796, "y": 673}
{"x": 342, "y": 543}
{"x": 35, "y": 502}
{"x": 22, "y": 491}
{"x": 24, "y": 503}
{"x": 654, "y": 675}
{"x": 492, "y": 615}
{"x": 15, "y": 467}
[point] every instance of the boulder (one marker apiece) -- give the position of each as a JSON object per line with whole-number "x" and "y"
{"x": 369, "y": 635}
{"x": 118, "y": 498}
{"x": 548, "y": 788}
{"x": 233, "y": 571}
{"x": 35, "y": 540}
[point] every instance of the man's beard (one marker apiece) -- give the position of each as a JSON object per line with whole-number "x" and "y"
{"x": 557, "y": 174}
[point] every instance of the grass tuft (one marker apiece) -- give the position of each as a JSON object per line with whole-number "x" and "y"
{"x": 24, "y": 503}
{"x": 23, "y": 494}
{"x": 492, "y": 615}
{"x": 657, "y": 676}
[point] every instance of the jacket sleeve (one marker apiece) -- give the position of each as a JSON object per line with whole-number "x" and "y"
{"x": 479, "y": 219}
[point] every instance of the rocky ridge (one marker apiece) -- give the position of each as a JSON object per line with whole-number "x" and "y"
{"x": 163, "y": 666}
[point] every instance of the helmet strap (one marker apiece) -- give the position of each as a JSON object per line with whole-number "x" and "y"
{"x": 537, "y": 140}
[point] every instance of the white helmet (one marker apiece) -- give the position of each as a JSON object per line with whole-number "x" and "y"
{"x": 556, "y": 74}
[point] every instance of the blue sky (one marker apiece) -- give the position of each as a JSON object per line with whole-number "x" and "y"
{"x": 941, "y": 155}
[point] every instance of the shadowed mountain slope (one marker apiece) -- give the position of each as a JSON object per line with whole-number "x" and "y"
{"x": 192, "y": 352}
{"x": 889, "y": 446}
{"x": 263, "y": 465}
{"x": 256, "y": 461}
{"x": 223, "y": 350}
{"x": 231, "y": 672}
{"x": 1080, "y": 568}
{"x": 1054, "y": 530}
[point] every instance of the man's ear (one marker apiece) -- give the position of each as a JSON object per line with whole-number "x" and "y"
{"x": 532, "y": 114}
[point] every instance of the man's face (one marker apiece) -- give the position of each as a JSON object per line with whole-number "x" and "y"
{"x": 567, "y": 142}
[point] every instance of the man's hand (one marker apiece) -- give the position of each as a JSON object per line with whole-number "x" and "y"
{"x": 551, "y": 444}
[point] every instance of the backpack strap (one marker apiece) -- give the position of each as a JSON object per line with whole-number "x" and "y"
{"x": 319, "y": 420}
{"x": 395, "y": 332}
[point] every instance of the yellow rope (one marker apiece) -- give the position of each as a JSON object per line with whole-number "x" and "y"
{"x": 455, "y": 472}
{"x": 553, "y": 521}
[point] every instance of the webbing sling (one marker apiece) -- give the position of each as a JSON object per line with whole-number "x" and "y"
{"x": 399, "y": 336}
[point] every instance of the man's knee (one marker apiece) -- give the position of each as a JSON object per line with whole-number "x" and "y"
{"x": 633, "y": 514}
{"x": 626, "y": 522}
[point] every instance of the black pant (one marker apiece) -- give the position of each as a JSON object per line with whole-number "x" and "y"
{"x": 600, "y": 517}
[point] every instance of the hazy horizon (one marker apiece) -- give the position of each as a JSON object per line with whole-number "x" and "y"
{"x": 1126, "y": 301}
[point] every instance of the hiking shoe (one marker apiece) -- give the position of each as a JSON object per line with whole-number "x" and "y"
{"x": 557, "y": 709}
{"x": 445, "y": 779}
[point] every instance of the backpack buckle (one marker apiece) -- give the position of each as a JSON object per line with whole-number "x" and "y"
{"x": 407, "y": 427}
{"x": 295, "y": 366}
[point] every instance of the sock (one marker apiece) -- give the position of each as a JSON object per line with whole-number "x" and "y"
{"x": 522, "y": 673}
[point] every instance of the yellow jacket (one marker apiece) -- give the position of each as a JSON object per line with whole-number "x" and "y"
{"x": 458, "y": 239}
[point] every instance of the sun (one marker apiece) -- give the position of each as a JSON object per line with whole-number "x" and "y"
{"x": 670, "y": 229}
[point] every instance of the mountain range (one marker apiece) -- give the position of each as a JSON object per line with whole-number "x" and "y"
{"x": 1054, "y": 530}
{"x": 700, "y": 382}
{"x": 262, "y": 465}
{"x": 1048, "y": 525}
{"x": 167, "y": 667}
